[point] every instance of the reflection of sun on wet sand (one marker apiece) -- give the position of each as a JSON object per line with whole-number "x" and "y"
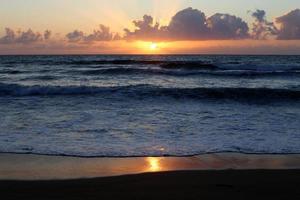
{"x": 154, "y": 164}
{"x": 204, "y": 183}
{"x": 17, "y": 166}
{"x": 207, "y": 178}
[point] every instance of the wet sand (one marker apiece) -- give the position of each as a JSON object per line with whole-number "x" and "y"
{"x": 215, "y": 176}
{"x": 38, "y": 167}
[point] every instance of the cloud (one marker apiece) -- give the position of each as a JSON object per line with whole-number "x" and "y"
{"x": 47, "y": 34}
{"x": 28, "y": 37}
{"x": 262, "y": 28}
{"x": 225, "y": 26}
{"x": 186, "y": 25}
{"x": 289, "y": 26}
{"x": 259, "y": 15}
{"x": 22, "y": 37}
{"x": 145, "y": 29}
{"x": 190, "y": 24}
{"x": 101, "y": 34}
{"x": 9, "y": 37}
{"x": 75, "y": 36}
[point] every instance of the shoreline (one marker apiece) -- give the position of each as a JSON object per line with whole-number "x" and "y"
{"x": 213, "y": 176}
{"x": 45, "y": 167}
{"x": 154, "y": 156}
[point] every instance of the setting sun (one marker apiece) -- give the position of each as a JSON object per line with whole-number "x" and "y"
{"x": 153, "y": 46}
{"x": 150, "y": 47}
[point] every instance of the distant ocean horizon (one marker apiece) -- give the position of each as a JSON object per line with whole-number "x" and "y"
{"x": 149, "y": 105}
{"x": 150, "y": 54}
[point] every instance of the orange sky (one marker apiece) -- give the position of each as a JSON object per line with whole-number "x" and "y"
{"x": 180, "y": 47}
{"x": 65, "y": 17}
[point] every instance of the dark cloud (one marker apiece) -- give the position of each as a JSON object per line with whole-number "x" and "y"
{"x": 28, "y": 37}
{"x": 289, "y": 26}
{"x": 145, "y": 29}
{"x": 259, "y": 15}
{"x": 225, "y": 26}
{"x": 101, "y": 34}
{"x": 75, "y": 36}
{"x": 262, "y": 28}
{"x": 21, "y": 37}
{"x": 190, "y": 24}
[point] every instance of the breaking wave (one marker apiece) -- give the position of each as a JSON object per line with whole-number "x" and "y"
{"x": 150, "y": 91}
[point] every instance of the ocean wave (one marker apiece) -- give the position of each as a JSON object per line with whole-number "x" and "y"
{"x": 11, "y": 72}
{"x": 99, "y": 62}
{"x": 85, "y": 62}
{"x": 131, "y": 71}
{"x": 150, "y": 91}
{"x": 163, "y": 64}
{"x": 212, "y": 66}
{"x": 40, "y": 78}
{"x": 213, "y": 63}
{"x": 178, "y": 72}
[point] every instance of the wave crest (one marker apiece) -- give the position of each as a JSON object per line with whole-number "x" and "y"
{"x": 150, "y": 91}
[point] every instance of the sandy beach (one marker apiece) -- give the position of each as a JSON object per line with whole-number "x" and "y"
{"x": 233, "y": 184}
{"x": 41, "y": 167}
{"x": 211, "y": 176}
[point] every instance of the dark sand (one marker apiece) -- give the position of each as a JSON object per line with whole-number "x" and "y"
{"x": 223, "y": 184}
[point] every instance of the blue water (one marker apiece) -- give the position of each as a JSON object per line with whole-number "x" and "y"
{"x": 149, "y": 105}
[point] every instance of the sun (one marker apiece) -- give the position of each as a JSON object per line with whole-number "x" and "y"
{"x": 153, "y": 46}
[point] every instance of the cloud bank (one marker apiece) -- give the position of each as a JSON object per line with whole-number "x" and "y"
{"x": 103, "y": 33}
{"x": 192, "y": 24}
{"x": 188, "y": 24}
{"x": 23, "y": 37}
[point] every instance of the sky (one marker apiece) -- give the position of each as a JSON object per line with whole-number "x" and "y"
{"x": 70, "y": 26}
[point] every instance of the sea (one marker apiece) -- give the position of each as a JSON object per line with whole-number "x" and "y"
{"x": 149, "y": 105}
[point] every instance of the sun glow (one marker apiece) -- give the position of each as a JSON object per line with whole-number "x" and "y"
{"x": 153, "y": 46}
{"x": 154, "y": 164}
